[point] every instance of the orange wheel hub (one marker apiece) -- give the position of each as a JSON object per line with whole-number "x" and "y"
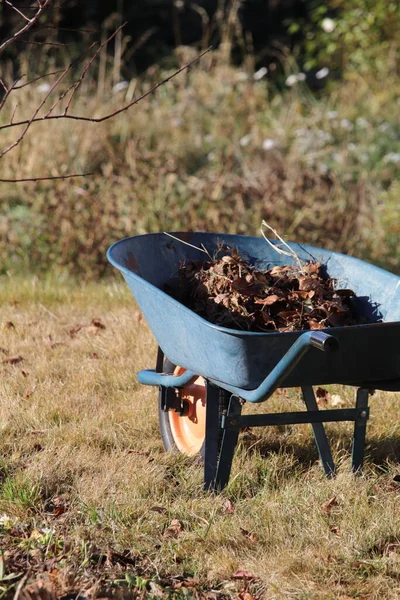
{"x": 189, "y": 430}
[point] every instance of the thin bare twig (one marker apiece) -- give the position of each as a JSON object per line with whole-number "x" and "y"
{"x": 21, "y": 14}
{"x": 45, "y": 178}
{"x": 116, "y": 112}
{"x": 29, "y": 24}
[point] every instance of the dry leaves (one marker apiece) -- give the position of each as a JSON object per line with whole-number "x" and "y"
{"x": 241, "y": 574}
{"x": 228, "y": 507}
{"x": 96, "y": 325}
{"x": 12, "y": 360}
{"x": 231, "y": 292}
{"x": 329, "y": 505}
{"x": 174, "y": 529}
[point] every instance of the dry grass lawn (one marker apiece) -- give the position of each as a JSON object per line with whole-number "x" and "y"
{"x": 90, "y": 504}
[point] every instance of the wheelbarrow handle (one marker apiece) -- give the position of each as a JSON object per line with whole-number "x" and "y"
{"x": 151, "y": 377}
{"x": 317, "y": 339}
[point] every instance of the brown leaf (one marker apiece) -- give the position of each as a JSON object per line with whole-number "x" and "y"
{"x": 244, "y": 595}
{"x": 241, "y": 574}
{"x": 314, "y": 324}
{"x": 12, "y": 360}
{"x": 228, "y": 507}
{"x": 268, "y": 300}
{"x": 72, "y": 332}
{"x": 174, "y": 529}
{"x": 335, "y": 530}
{"x": 159, "y": 509}
{"x": 97, "y": 323}
{"x": 9, "y": 325}
{"x": 322, "y": 395}
{"x": 329, "y": 505}
{"x": 251, "y": 536}
{"x": 94, "y": 355}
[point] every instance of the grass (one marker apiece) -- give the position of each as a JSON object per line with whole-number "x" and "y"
{"x": 211, "y": 150}
{"x": 88, "y": 496}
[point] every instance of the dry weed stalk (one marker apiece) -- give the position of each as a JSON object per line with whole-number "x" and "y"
{"x": 66, "y": 96}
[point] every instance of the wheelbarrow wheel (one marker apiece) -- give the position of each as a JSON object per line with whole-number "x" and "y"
{"x": 185, "y": 433}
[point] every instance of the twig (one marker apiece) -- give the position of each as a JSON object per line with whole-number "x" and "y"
{"x": 110, "y": 115}
{"x": 45, "y": 178}
{"x": 289, "y": 252}
{"x": 29, "y": 24}
{"x": 186, "y": 243}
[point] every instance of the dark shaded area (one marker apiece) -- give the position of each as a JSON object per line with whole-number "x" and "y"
{"x": 156, "y": 27}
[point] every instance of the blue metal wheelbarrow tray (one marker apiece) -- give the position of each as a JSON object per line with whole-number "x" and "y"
{"x": 205, "y": 365}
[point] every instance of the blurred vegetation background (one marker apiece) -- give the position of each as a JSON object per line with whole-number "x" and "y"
{"x": 292, "y": 118}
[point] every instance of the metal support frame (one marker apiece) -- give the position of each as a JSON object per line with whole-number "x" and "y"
{"x": 217, "y": 468}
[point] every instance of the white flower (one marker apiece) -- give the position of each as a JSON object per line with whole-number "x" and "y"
{"x": 322, "y": 73}
{"x": 244, "y": 141}
{"x": 268, "y": 144}
{"x": 5, "y": 520}
{"x": 260, "y": 73}
{"x": 392, "y": 157}
{"x": 328, "y": 25}
{"x": 118, "y": 87}
{"x": 211, "y": 155}
{"x": 332, "y": 114}
{"x": 209, "y": 138}
{"x": 293, "y": 79}
{"x": 345, "y": 123}
{"x": 43, "y": 88}
{"x": 361, "y": 122}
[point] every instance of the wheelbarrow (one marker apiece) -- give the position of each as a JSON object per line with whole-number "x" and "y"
{"x": 205, "y": 372}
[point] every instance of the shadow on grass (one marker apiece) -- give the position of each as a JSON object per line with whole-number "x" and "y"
{"x": 378, "y": 451}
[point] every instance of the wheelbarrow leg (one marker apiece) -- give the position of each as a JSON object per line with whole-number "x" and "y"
{"x": 228, "y": 445}
{"x": 321, "y": 440}
{"x": 212, "y": 435}
{"x": 360, "y": 428}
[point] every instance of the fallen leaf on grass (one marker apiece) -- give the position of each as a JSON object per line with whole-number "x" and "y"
{"x": 251, "y": 536}
{"x": 174, "y": 529}
{"x": 329, "y": 505}
{"x": 4, "y": 351}
{"x": 72, "y": 332}
{"x": 228, "y": 507}
{"x": 9, "y": 325}
{"x": 335, "y": 530}
{"x": 244, "y": 575}
{"x": 245, "y": 595}
{"x": 323, "y": 396}
{"x": 159, "y": 509}
{"x": 97, "y": 323}
{"x": 12, "y": 360}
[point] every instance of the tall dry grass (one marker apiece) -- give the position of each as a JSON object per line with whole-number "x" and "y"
{"x": 213, "y": 149}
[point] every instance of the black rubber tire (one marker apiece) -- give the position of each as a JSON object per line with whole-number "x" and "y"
{"x": 163, "y": 419}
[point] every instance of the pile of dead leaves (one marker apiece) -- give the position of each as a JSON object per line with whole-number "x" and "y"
{"x": 231, "y": 292}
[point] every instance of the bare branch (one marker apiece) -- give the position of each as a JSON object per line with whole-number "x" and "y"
{"x": 21, "y": 14}
{"x": 45, "y": 178}
{"x": 32, "y": 21}
{"x": 110, "y": 115}
{"x": 91, "y": 61}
